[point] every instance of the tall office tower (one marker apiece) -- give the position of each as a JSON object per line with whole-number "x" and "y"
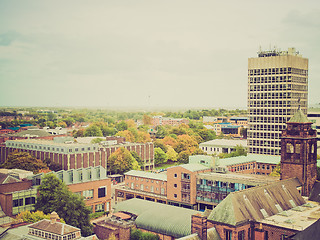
{"x": 277, "y": 86}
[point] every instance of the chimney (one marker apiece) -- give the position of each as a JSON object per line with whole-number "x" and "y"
{"x": 54, "y": 217}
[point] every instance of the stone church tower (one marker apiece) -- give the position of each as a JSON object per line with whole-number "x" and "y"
{"x": 299, "y": 152}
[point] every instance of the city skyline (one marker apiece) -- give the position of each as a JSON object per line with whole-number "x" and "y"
{"x": 180, "y": 54}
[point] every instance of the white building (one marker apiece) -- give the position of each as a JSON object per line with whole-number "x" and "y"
{"x": 218, "y": 146}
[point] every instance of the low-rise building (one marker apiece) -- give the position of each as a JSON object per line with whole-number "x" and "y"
{"x": 91, "y": 183}
{"x": 161, "y": 121}
{"x": 218, "y": 146}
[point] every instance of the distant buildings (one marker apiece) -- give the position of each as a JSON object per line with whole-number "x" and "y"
{"x": 277, "y": 86}
{"x": 72, "y": 155}
{"x": 160, "y": 121}
{"x": 218, "y": 146}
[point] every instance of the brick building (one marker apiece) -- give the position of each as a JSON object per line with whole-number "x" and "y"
{"x": 91, "y": 183}
{"x": 299, "y": 152}
{"x": 160, "y": 121}
{"x": 16, "y": 195}
{"x": 73, "y": 155}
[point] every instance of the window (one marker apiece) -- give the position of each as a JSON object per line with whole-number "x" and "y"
{"x": 266, "y": 237}
{"x": 30, "y": 200}
{"x": 88, "y": 194}
{"x": 141, "y": 187}
{"x": 241, "y": 235}
{"x": 175, "y": 185}
{"x": 101, "y": 192}
{"x": 99, "y": 207}
{"x": 175, "y": 195}
{"x": 228, "y": 234}
{"x": 175, "y": 175}
{"x": 17, "y": 202}
{"x": 298, "y": 148}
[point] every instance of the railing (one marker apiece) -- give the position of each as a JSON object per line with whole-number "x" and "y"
{"x": 185, "y": 190}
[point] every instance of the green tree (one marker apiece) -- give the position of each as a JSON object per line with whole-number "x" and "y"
{"x": 121, "y": 161}
{"x": 161, "y": 132}
{"x": 207, "y": 134}
{"x": 53, "y": 166}
{"x": 137, "y": 234}
{"x": 25, "y": 161}
{"x": 96, "y": 140}
{"x": 160, "y": 156}
{"x": 93, "y": 131}
{"x": 121, "y": 126}
{"x": 137, "y": 158}
{"x": 172, "y": 154}
{"x": 32, "y": 217}
{"x": 54, "y": 195}
{"x": 159, "y": 144}
{"x": 276, "y": 171}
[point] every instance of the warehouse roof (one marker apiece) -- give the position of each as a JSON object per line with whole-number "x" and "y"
{"x": 143, "y": 174}
{"x": 158, "y": 217}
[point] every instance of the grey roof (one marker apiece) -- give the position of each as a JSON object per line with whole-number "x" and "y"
{"x": 315, "y": 192}
{"x": 32, "y": 132}
{"x": 212, "y": 234}
{"x": 56, "y": 228}
{"x": 143, "y": 174}
{"x": 299, "y": 117}
{"x": 259, "y": 158}
{"x": 158, "y": 217}
{"x": 248, "y": 179}
{"x": 257, "y": 203}
{"x": 193, "y": 167}
{"x": 224, "y": 143}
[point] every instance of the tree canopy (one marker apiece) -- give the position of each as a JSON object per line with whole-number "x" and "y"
{"x": 121, "y": 161}
{"x": 25, "y": 161}
{"x": 54, "y": 195}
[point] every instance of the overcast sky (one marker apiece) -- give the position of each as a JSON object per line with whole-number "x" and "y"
{"x": 132, "y": 53}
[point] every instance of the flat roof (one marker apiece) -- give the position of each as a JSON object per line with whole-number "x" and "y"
{"x": 48, "y": 142}
{"x": 248, "y": 179}
{"x": 224, "y": 143}
{"x": 250, "y": 158}
{"x": 297, "y": 218}
{"x": 150, "y": 175}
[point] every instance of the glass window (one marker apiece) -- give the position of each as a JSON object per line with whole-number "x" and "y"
{"x": 88, "y": 194}
{"x": 17, "y": 202}
{"x": 30, "y": 200}
{"x": 101, "y": 192}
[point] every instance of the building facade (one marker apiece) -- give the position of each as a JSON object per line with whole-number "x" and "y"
{"x": 277, "y": 85}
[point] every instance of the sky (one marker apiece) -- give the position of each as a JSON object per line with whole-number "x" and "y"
{"x": 146, "y": 53}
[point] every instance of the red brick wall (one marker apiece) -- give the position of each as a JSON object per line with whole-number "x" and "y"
{"x": 17, "y": 186}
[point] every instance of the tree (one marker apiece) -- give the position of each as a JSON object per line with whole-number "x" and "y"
{"x": 121, "y": 126}
{"x": 172, "y": 154}
{"x": 147, "y": 120}
{"x": 161, "y": 132}
{"x": 53, "y": 166}
{"x": 137, "y": 234}
{"x": 207, "y": 134}
{"x": 121, "y": 161}
{"x": 160, "y": 156}
{"x": 277, "y": 170}
{"x": 96, "y": 140}
{"x": 54, "y": 195}
{"x": 168, "y": 140}
{"x": 159, "y": 144}
{"x": 137, "y": 158}
{"x": 184, "y": 143}
{"x": 93, "y": 131}
{"x": 32, "y": 217}
{"x": 183, "y": 157}
{"x": 127, "y": 134}
{"x": 25, "y": 161}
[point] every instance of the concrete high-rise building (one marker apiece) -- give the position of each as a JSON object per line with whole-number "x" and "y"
{"x": 277, "y": 86}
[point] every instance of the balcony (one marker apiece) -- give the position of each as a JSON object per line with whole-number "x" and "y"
{"x": 186, "y": 190}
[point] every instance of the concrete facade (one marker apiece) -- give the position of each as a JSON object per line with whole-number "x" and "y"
{"x": 277, "y": 85}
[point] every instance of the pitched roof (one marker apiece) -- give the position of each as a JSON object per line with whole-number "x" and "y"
{"x": 299, "y": 117}
{"x": 315, "y": 192}
{"x": 57, "y": 227}
{"x": 158, "y": 217}
{"x": 258, "y": 202}
{"x": 6, "y": 178}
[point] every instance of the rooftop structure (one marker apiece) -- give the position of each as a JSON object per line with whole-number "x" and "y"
{"x": 158, "y": 218}
{"x": 218, "y": 146}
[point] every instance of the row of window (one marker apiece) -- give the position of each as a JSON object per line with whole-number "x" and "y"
{"x": 272, "y": 71}
{"x": 146, "y": 180}
{"x": 262, "y": 150}
{"x": 47, "y": 235}
{"x": 56, "y": 149}
{"x": 146, "y": 188}
{"x": 88, "y": 194}
{"x": 27, "y": 201}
